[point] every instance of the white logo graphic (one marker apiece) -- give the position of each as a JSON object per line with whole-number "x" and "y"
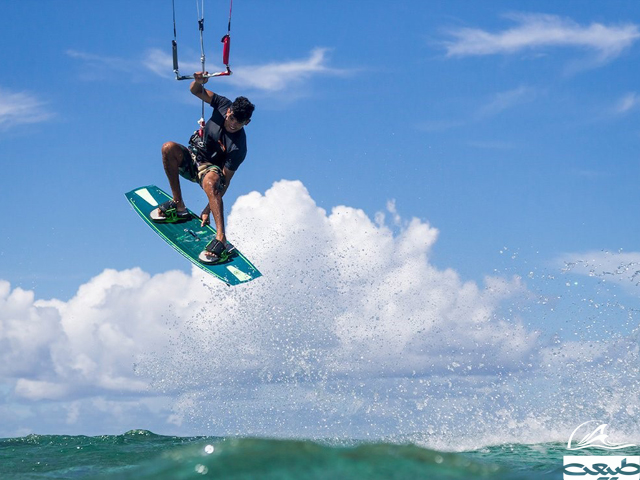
{"x": 239, "y": 274}
{"x": 147, "y": 197}
{"x": 601, "y": 468}
{"x": 595, "y": 439}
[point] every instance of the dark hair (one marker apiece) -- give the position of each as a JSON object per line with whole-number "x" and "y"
{"x": 242, "y": 109}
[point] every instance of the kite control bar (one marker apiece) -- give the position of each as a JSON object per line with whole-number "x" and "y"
{"x": 226, "y": 47}
{"x": 226, "y": 40}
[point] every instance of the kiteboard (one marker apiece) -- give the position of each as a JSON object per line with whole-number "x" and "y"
{"x": 189, "y": 237}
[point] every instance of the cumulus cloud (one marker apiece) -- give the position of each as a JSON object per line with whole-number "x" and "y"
{"x": 535, "y": 31}
{"x": 342, "y": 296}
{"x": 352, "y": 330}
{"x": 20, "y": 108}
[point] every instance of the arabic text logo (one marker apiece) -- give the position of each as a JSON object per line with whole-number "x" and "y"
{"x": 601, "y": 468}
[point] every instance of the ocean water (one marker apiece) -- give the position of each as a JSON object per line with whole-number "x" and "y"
{"x": 140, "y": 454}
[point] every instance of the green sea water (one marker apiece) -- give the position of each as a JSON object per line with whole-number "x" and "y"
{"x": 140, "y": 454}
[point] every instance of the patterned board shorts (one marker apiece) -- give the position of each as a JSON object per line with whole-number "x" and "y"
{"x": 193, "y": 171}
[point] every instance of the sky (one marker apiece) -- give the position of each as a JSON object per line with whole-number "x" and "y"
{"x": 439, "y": 195}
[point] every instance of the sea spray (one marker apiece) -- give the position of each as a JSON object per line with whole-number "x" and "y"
{"x": 258, "y": 363}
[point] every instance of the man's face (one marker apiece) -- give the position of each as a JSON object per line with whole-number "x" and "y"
{"x": 231, "y": 124}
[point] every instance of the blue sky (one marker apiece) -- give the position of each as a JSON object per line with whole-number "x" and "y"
{"x": 531, "y": 148}
{"x": 507, "y": 130}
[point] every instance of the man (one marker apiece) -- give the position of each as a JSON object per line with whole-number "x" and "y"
{"x": 211, "y": 161}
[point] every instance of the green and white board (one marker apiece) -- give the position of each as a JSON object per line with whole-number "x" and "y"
{"x": 189, "y": 238}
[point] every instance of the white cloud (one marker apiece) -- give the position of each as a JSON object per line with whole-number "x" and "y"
{"x": 102, "y": 62}
{"x": 496, "y": 104}
{"x": 534, "y": 31}
{"x": 622, "y": 268}
{"x": 160, "y": 63}
{"x": 505, "y": 100}
{"x": 271, "y": 77}
{"x": 351, "y": 329}
{"x": 39, "y": 390}
{"x": 278, "y": 76}
{"x": 629, "y": 102}
{"x": 100, "y": 67}
{"x": 341, "y": 295}
{"x": 20, "y": 108}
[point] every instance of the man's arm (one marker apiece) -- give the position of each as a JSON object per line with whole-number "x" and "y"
{"x": 197, "y": 88}
{"x": 228, "y": 175}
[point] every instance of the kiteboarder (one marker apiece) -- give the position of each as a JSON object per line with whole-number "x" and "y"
{"x": 212, "y": 158}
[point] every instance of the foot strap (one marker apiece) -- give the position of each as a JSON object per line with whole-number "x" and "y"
{"x": 167, "y": 206}
{"x": 214, "y": 252}
{"x": 168, "y": 212}
{"x": 216, "y": 247}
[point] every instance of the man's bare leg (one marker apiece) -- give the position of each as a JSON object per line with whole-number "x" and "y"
{"x": 209, "y": 183}
{"x": 172, "y": 159}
